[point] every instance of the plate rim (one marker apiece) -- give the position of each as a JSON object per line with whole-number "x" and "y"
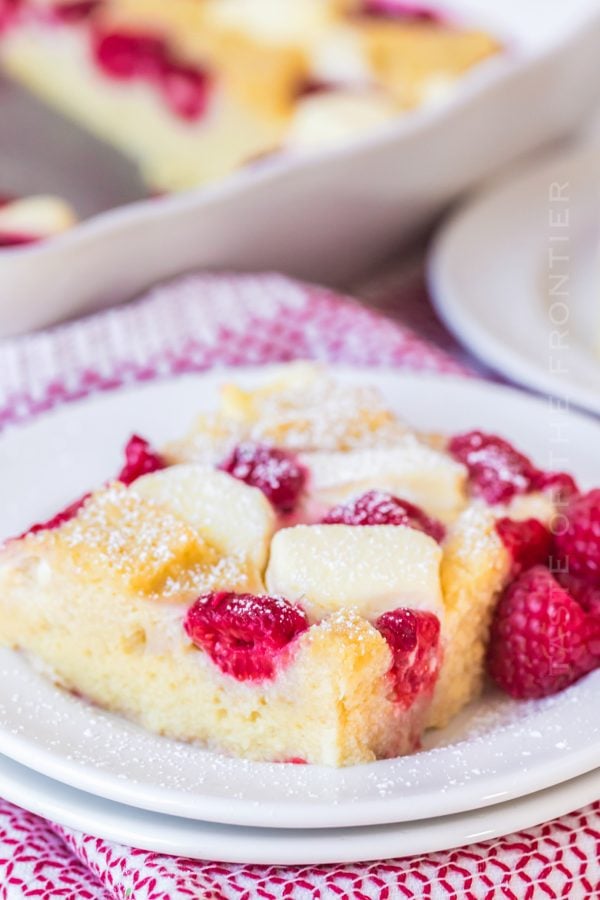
{"x": 245, "y": 813}
{"x": 19, "y": 788}
{"x": 472, "y": 332}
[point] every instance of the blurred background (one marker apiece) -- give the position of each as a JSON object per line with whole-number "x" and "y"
{"x": 140, "y": 139}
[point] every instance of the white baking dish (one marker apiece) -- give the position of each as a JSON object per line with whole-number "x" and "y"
{"x": 334, "y": 214}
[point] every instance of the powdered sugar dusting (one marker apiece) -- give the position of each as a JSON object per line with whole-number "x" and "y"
{"x": 304, "y": 410}
{"x": 487, "y": 750}
{"x": 147, "y": 547}
{"x": 148, "y": 764}
{"x": 325, "y": 414}
{"x": 405, "y": 454}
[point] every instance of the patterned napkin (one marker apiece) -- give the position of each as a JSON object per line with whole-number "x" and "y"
{"x": 199, "y": 322}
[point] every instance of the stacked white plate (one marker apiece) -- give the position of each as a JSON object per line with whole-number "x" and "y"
{"x": 515, "y": 273}
{"x": 501, "y": 766}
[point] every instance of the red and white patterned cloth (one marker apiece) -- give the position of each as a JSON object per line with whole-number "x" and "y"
{"x": 202, "y": 322}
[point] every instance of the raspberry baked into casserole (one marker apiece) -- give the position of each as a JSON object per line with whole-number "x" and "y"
{"x": 302, "y": 578}
{"x": 192, "y": 89}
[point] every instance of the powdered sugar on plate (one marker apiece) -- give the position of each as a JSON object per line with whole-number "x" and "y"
{"x": 486, "y": 751}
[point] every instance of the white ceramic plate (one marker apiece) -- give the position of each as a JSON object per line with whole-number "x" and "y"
{"x": 331, "y": 215}
{"x": 495, "y": 751}
{"x": 516, "y": 275}
{"x": 271, "y": 846}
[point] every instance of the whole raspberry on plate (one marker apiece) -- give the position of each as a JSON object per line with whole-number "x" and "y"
{"x": 381, "y": 508}
{"x": 587, "y": 595}
{"x": 541, "y": 639}
{"x": 578, "y": 544}
{"x": 244, "y": 634}
{"x": 276, "y": 472}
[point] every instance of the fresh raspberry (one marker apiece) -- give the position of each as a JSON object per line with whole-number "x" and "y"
{"x": 9, "y": 10}
{"x": 14, "y": 239}
{"x": 244, "y": 634}
{"x": 584, "y": 593}
{"x": 65, "y": 515}
{"x": 562, "y": 485}
{"x": 185, "y": 88}
{"x": 277, "y": 473}
{"x": 127, "y": 55}
{"x": 311, "y": 86}
{"x": 528, "y": 542}
{"x": 578, "y": 544}
{"x": 541, "y": 640}
{"x": 381, "y": 508}
{"x": 414, "y": 639}
{"x": 401, "y": 11}
{"x": 588, "y": 597}
{"x": 497, "y": 471}
{"x": 140, "y": 459}
{"x": 75, "y": 11}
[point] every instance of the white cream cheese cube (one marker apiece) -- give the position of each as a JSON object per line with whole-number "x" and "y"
{"x": 235, "y": 518}
{"x": 371, "y": 569}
